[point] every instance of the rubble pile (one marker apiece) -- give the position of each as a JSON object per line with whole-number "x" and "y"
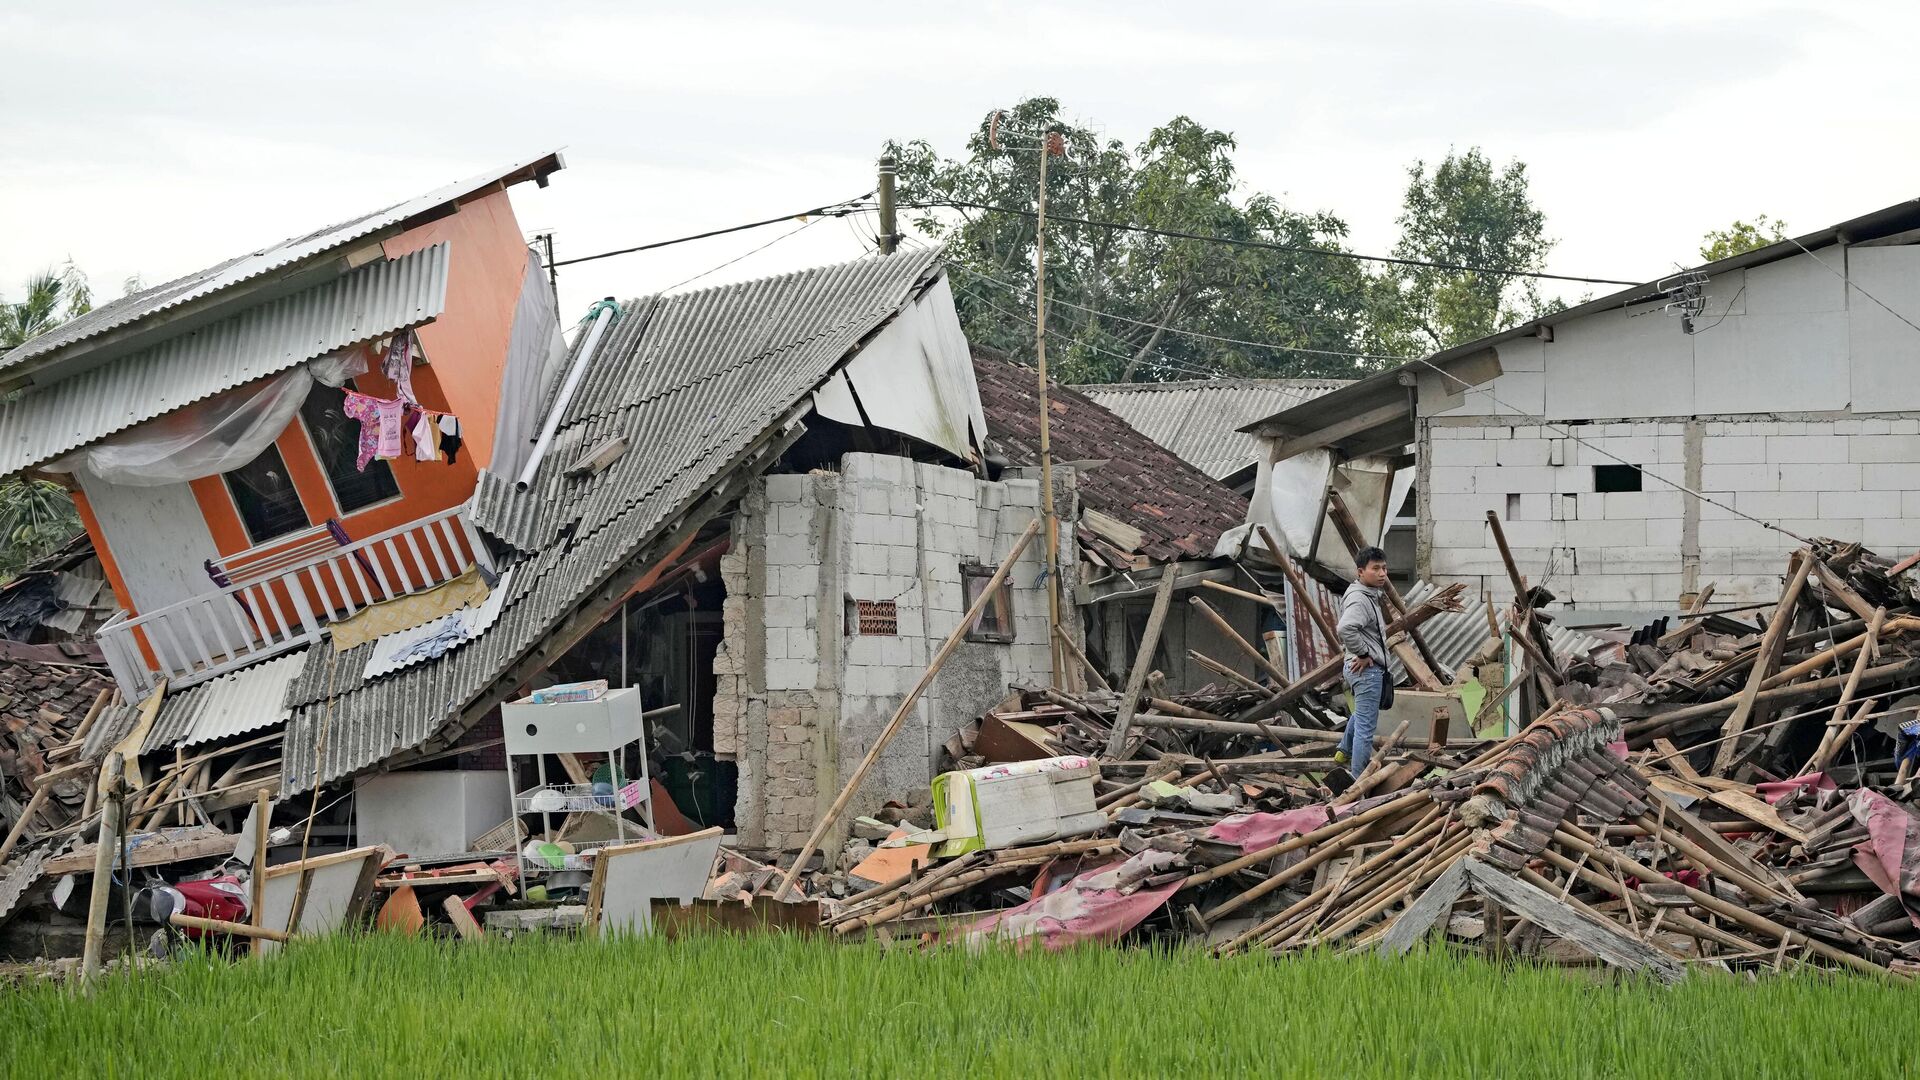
{"x": 1729, "y": 790}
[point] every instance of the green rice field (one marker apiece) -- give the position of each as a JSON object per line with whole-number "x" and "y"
{"x": 776, "y": 1006}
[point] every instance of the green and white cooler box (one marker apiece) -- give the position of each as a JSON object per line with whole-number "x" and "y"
{"x": 1018, "y": 802}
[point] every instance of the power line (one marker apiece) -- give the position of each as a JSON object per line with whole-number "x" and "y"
{"x": 810, "y": 223}
{"x": 1854, "y": 284}
{"x": 1299, "y": 249}
{"x": 1185, "y": 333}
{"x": 839, "y": 209}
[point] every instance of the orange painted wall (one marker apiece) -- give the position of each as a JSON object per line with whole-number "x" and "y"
{"x": 489, "y": 263}
{"x": 466, "y": 350}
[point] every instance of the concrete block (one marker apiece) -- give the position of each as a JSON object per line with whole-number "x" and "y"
{"x": 1733, "y": 449}
{"x": 1634, "y": 449}
{"x": 1452, "y": 480}
{"x": 1529, "y": 533}
{"x": 1455, "y": 432}
{"x": 1455, "y": 453}
{"x": 786, "y": 611}
{"x": 1630, "y": 560}
{"x": 1890, "y": 535}
{"x": 799, "y": 580}
{"x": 787, "y": 487}
{"x": 1861, "y": 504}
{"x": 870, "y": 528}
{"x": 1463, "y": 534}
{"x": 1671, "y": 449}
{"x": 903, "y": 560}
{"x": 1535, "y": 506}
{"x": 1587, "y": 533}
{"x": 1572, "y": 480}
{"x": 1871, "y": 449}
{"x": 1514, "y": 480}
{"x": 793, "y": 519}
{"x": 1905, "y": 426}
{"x": 1734, "y": 533}
{"x": 775, "y": 642}
{"x": 1566, "y": 507}
{"x": 1846, "y": 427}
{"x": 1876, "y": 426}
{"x": 792, "y": 675}
{"x": 1890, "y": 477}
{"x": 1516, "y": 453}
{"x": 1471, "y": 507}
{"x": 1807, "y": 448}
{"x": 903, "y": 530}
{"x": 1743, "y": 477}
{"x": 1778, "y": 504}
{"x": 1824, "y": 477}
{"x": 1838, "y": 528}
{"x": 1664, "y": 533}
{"x": 1909, "y": 504}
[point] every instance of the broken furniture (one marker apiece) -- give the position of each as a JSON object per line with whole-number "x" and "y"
{"x": 611, "y": 725}
{"x": 627, "y": 878}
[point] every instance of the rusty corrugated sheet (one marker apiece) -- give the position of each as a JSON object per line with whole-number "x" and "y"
{"x": 1197, "y": 419}
{"x": 363, "y": 305}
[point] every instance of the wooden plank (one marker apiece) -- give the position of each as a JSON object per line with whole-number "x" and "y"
{"x": 1142, "y": 663}
{"x": 1427, "y": 910}
{"x": 1291, "y": 445}
{"x": 1573, "y": 923}
{"x": 1770, "y": 646}
{"x": 906, "y": 705}
{"x": 462, "y": 919}
{"x": 1756, "y": 810}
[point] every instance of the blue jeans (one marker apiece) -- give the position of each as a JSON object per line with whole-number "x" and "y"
{"x": 1358, "y": 739}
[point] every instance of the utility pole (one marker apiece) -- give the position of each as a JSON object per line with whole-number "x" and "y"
{"x": 553, "y": 284}
{"x": 1047, "y": 142}
{"x": 889, "y": 235}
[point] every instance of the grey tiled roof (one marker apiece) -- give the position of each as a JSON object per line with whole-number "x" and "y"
{"x": 1196, "y": 419}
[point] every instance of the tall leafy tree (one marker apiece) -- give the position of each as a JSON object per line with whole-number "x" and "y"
{"x": 37, "y": 516}
{"x": 1741, "y": 236}
{"x": 1464, "y": 212}
{"x": 1112, "y": 292}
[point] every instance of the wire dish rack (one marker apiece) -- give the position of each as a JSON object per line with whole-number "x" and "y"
{"x": 572, "y": 799}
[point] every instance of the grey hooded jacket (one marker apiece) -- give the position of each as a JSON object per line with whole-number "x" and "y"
{"x": 1362, "y": 628}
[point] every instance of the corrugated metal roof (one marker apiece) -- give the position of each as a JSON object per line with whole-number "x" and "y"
{"x": 25, "y": 871}
{"x": 237, "y": 702}
{"x": 692, "y": 382}
{"x": 1455, "y": 636}
{"x": 1197, "y": 419}
{"x": 363, "y": 305}
{"x": 225, "y": 275}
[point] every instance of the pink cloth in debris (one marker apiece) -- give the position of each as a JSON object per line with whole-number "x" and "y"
{"x": 1890, "y": 855}
{"x": 1618, "y": 749}
{"x": 1262, "y": 830}
{"x": 1091, "y": 907}
{"x": 1775, "y": 790}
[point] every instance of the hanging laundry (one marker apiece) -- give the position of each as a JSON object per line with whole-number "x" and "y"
{"x": 397, "y": 365}
{"x": 425, "y": 429}
{"x": 450, "y": 435}
{"x": 380, "y": 424}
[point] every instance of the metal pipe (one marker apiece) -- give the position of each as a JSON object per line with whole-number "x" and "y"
{"x": 603, "y": 318}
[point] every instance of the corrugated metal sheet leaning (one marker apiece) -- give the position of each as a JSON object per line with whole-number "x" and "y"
{"x": 692, "y": 382}
{"x": 233, "y": 704}
{"x": 1196, "y": 419}
{"x": 1455, "y": 636}
{"x": 205, "y": 283}
{"x": 364, "y": 305}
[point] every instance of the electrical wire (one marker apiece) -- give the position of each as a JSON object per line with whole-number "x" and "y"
{"x": 1853, "y": 284}
{"x": 792, "y": 232}
{"x": 1177, "y": 330}
{"x": 1268, "y": 245}
{"x": 839, "y": 209}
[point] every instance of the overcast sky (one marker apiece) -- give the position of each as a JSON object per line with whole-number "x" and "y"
{"x": 156, "y": 139}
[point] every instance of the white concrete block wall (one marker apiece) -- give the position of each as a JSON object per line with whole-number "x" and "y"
{"x": 1846, "y": 477}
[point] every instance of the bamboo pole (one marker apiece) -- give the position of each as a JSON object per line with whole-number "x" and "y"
{"x": 1298, "y": 580}
{"x": 257, "y": 934}
{"x": 887, "y": 733}
{"x": 1769, "y": 654}
{"x": 1233, "y": 638}
{"x": 1066, "y": 642}
{"x": 20, "y": 826}
{"x": 1304, "y": 840}
{"x": 1142, "y": 663}
{"x": 111, "y": 812}
{"x": 257, "y": 881}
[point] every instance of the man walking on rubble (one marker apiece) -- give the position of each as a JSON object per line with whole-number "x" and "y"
{"x": 1363, "y": 640}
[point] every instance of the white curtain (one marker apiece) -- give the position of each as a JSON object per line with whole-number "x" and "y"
{"x": 212, "y": 436}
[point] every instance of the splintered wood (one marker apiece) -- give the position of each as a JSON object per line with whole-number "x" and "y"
{"x": 1724, "y": 790}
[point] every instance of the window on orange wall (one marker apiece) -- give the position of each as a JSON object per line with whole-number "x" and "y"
{"x": 264, "y": 495}
{"x": 336, "y": 442}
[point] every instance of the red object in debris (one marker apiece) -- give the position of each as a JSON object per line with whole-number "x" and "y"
{"x": 223, "y": 898}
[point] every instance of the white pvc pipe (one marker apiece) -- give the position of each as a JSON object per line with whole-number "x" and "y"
{"x": 579, "y": 370}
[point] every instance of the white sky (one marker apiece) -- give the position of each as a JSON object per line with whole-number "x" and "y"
{"x": 157, "y": 139}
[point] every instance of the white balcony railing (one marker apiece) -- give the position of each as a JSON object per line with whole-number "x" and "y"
{"x": 250, "y": 620}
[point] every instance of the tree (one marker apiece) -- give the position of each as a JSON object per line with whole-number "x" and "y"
{"x": 52, "y": 298}
{"x": 1741, "y": 236}
{"x": 1112, "y": 292}
{"x": 1464, "y": 213}
{"x": 37, "y": 516}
